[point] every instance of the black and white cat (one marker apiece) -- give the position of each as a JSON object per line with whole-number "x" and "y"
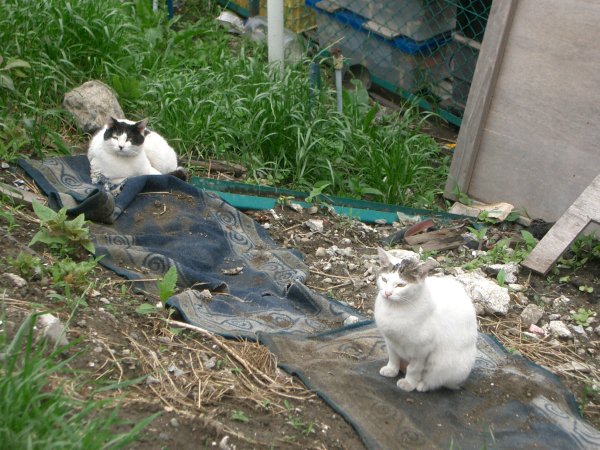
{"x": 123, "y": 149}
{"x": 428, "y": 323}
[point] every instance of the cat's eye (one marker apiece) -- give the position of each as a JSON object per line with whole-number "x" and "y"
{"x": 400, "y": 284}
{"x": 384, "y": 279}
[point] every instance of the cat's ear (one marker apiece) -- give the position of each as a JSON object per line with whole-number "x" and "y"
{"x": 384, "y": 258}
{"x": 413, "y": 269}
{"x": 111, "y": 122}
{"x": 141, "y": 125}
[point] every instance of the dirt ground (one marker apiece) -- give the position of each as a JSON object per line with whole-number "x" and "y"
{"x": 213, "y": 392}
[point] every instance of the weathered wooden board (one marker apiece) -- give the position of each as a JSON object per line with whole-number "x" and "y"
{"x": 530, "y": 133}
{"x": 20, "y": 196}
{"x": 328, "y": 5}
{"x": 584, "y": 210}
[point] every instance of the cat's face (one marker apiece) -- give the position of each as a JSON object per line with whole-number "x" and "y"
{"x": 399, "y": 278}
{"x": 124, "y": 138}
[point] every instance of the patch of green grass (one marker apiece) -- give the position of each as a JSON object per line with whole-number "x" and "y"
{"x": 581, "y": 251}
{"x": 38, "y": 414}
{"x": 505, "y": 251}
{"x": 212, "y": 95}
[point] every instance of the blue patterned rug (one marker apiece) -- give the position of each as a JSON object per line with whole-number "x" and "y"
{"x": 151, "y": 223}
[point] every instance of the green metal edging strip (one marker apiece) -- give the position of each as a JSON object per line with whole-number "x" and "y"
{"x": 256, "y": 197}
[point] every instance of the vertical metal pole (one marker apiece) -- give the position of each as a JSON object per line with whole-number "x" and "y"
{"x": 275, "y": 31}
{"x": 170, "y": 8}
{"x": 338, "y": 65}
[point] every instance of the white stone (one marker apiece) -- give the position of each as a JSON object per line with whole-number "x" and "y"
{"x": 516, "y": 287}
{"x": 351, "y": 320}
{"x": 510, "y": 271}
{"x": 346, "y": 251}
{"x": 494, "y": 298}
{"x": 559, "y": 329}
{"x": 321, "y": 252}
{"x": 531, "y": 315}
{"x": 560, "y": 301}
{"x": 17, "y": 280}
{"x": 578, "y": 329}
{"x": 295, "y": 206}
{"x": 53, "y": 329}
{"x": 573, "y": 366}
{"x": 315, "y": 225}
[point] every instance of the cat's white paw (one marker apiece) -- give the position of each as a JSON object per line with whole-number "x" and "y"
{"x": 388, "y": 371}
{"x": 405, "y": 385}
{"x": 422, "y": 387}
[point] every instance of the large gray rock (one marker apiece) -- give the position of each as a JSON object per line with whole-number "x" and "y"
{"x": 92, "y": 104}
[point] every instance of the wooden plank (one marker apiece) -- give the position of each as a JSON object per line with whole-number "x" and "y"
{"x": 480, "y": 96}
{"x": 581, "y": 213}
{"x": 328, "y": 5}
{"x": 444, "y": 239}
{"x": 381, "y": 30}
{"x": 20, "y": 196}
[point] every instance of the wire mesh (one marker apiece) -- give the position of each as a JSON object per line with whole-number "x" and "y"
{"x": 424, "y": 48}
{"x": 297, "y": 16}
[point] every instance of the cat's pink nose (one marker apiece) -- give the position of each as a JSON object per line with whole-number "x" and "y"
{"x": 387, "y": 293}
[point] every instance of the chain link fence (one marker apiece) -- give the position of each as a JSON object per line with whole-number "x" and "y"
{"x": 424, "y": 48}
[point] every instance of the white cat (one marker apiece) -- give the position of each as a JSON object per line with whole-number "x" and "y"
{"x": 123, "y": 149}
{"x": 428, "y": 323}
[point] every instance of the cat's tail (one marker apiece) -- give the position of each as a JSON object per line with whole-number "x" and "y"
{"x": 180, "y": 173}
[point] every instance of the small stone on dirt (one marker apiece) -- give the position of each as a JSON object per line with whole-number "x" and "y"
{"x": 531, "y": 315}
{"x": 314, "y": 225}
{"x": 559, "y": 329}
{"x": 16, "y": 279}
{"x": 53, "y": 329}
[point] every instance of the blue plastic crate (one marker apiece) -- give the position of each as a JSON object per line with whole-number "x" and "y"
{"x": 401, "y": 62}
